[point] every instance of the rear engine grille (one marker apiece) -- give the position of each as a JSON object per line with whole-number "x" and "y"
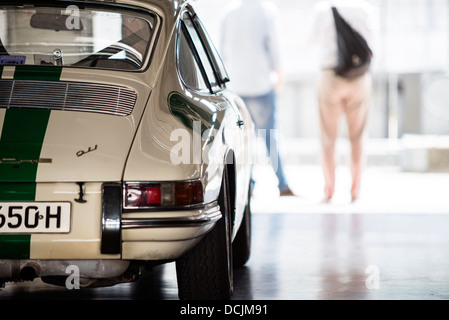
{"x": 69, "y": 96}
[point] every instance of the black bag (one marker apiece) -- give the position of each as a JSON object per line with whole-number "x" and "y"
{"x": 354, "y": 54}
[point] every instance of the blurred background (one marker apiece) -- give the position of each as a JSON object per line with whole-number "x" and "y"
{"x": 408, "y": 129}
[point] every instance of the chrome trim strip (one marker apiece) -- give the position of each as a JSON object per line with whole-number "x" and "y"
{"x": 207, "y": 217}
{"x": 19, "y": 161}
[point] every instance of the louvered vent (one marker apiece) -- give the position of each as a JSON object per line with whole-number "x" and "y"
{"x": 69, "y": 96}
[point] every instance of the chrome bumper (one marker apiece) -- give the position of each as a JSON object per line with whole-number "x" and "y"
{"x": 151, "y": 235}
{"x": 209, "y": 216}
{"x": 165, "y": 235}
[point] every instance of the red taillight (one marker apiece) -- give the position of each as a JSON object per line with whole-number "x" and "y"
{"x": 153, "y": 196}
{"x": 169, "y": 194}
{"x": 143, "y": 195}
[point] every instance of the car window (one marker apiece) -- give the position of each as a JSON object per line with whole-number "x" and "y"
{"x": 100, "y": 36}
{"x": 189, "y": 67}
{"x": 201, "y": 52}
{"x": 223, "y": 76}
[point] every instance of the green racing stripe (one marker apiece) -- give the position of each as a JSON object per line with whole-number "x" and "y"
{"x": 37, "y": 73}
{"x": 22, "y": 136}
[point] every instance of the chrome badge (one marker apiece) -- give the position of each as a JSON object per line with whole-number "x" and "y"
{"x": 19, "y": 161}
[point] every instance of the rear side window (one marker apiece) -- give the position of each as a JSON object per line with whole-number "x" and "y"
{"x": 201, "y": 51}
{"x": 188, "y": 65}
{"x": 199, "y": 65}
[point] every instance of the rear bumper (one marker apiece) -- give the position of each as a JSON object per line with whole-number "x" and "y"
{"x": 141, "y": 238}
{"x": 150, "y": 236}
{"x": 100, "y": 230}
{"x": 203, "y": 218}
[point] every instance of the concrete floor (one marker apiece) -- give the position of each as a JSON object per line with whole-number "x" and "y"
{"x": 391, "y": 244}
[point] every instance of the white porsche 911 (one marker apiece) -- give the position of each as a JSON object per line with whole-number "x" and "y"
{"x": 120, "y": 146}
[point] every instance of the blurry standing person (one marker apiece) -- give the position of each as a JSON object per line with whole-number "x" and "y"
{"x": 251, "y": 51}
{"x": 338, "y": 94}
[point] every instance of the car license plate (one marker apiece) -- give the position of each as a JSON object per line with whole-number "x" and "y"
{"x": 35, "y": 217}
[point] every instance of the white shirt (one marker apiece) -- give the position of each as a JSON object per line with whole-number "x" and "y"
{"x": 250, "y": 46}
{"x": 359, "y": 14}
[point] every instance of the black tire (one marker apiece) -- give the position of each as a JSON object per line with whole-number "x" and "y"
{"x": 205, "y": 272}
{"x": 241, "y": 247}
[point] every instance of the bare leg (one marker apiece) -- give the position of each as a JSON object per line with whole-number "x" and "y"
{"x": 329, "y": 118}
{"x": 356, "y": 116}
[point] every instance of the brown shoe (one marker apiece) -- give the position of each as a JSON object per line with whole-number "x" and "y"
{"x": 286, "y": 192}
